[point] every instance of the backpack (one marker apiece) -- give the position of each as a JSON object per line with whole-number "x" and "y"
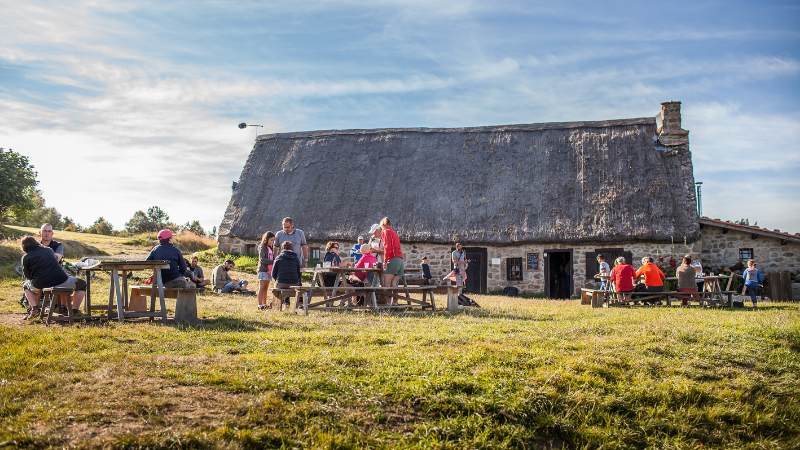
{"x": 510, "y": 291}
{"x": 463, "y": 300}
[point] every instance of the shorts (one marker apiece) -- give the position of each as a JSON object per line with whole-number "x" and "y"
{"x": 76, "y": 284}
{"x": 395, "y": 266}
{"x": 264, "y": 276}
{"x": 177, "y": 283}
{"x": 687, "y": 290}
{"x": 355, "y": 283}
{"x": 654, "y": 289}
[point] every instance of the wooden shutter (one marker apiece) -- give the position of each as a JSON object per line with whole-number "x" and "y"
{"x": 591, "y": 265}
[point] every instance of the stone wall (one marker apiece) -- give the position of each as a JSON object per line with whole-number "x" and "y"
{"x": 723, "y": 249}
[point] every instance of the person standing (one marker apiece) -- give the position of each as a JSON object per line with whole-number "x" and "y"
{"x": 752, "y": 281}
{"x": 460, "y": 263}
{"x": 686, "y": 274}
{"x": 355, "y": 252}
{"x": 622, "y": 275}
{"x": 42, "y": 270}
{"x": 426, "y": 271}
{"x": 375, "y": 245}
{"x": 296, "y": 237}
{"x": 605, "y": 272}
{"x": 395, "y": 266}
{"x": 172, "y": 278}
{"x": 265, "y": 260}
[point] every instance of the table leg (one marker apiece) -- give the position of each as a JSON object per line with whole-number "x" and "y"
{"x": 110, "y": 299}
{"x": 115, "y": 283}
{"x": 157, "y": 279}
{"x": 88, "y": 300}
{"x": 125, "y": 289}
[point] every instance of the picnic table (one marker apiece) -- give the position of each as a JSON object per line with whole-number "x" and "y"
{"x": 118, "y": 288}
{"x": 340, "y": 295}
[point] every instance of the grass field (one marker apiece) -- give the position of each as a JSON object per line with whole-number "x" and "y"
{"x": 517, "y": 373}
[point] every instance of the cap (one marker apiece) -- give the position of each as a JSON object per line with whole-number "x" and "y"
{"x": 374, "y": 227}
{"x": 600, "y": 255}
{"x": 165, "y": 234}
{"x": 361, "y": 238}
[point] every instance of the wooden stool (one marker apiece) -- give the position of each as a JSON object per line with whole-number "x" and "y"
{"x": 50, "y": 295}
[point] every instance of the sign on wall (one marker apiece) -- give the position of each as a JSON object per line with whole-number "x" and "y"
{"x": 531, "y": 261}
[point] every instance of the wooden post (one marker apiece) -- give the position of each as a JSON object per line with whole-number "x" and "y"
{"x": 186, "y": 307}
{"x": 115, "y": 284}
{"x": 452, "y": 298}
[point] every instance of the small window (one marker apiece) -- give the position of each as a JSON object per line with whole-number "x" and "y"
{"x": 745, "y": 254}
{"x": 514, "y": 269}
{"x": 249, "y": 249}
{"x": 315, "y": 253}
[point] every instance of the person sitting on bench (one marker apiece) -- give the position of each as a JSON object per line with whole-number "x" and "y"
{"x": 686, "y": 274}
{"x": 42, "y": 270}
{"x": 622, "y": 275}
{"x": 653, "y": 276}
{"x": 357, "y": 279}
{"x": 286, "y": 269}
{"x": 172, "y": 278}
{"x": 224, "y": 282}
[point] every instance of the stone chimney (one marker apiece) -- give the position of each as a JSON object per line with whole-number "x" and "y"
{"x": 671, "y": 134}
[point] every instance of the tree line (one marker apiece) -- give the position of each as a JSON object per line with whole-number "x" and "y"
{"x": 22, "y": 204}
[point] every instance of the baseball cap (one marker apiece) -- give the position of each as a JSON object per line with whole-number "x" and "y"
{"x": 165, "y": 234}
{"x": 374, "y": 227}
{"x": 360, "y": 238}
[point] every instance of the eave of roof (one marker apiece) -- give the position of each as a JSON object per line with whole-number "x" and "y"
{"x": 749, "y": 229}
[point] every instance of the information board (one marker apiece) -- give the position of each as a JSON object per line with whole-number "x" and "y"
{"x": 531, "y": 261}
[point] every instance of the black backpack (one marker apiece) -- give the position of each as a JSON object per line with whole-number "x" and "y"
{"x": 463, "y": 300}
{"x": 510, "y": 291}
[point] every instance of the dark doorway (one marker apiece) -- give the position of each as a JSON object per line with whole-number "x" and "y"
{"x": 558, "y": 273}
{"x": 476, "y": 270}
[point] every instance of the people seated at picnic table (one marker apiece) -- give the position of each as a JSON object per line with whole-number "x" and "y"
{"x": 394, "y": 269}
{"x": 358, "y": 279}
{"x": 375, "y": 245}
{"x": 223, "y": 281}
{"x": 355, "y": 252}
{"x": 605, "y": 271}
{"x": 172, "y": 278}
{"x": 286, "y": 269}
{"x": 686, "y": 274}
{"x": 652, "y": 274}
{"x": 42, "y": 270}
{"x": 197, "y": 273}
{"x": 622, "y": 275}
{"x": 332, "y": 258}
{"x": 426, "y": 271}
{"x": 752, "y": 281}
{"x": 265, "y": 259}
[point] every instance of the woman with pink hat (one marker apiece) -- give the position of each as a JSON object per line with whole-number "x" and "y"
{"x": 166, "y": 251}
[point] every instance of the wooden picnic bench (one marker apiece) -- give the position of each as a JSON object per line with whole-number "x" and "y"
{"x": 342, "y": 300}
{"x": 705, "y": 298}
{"x": 185, "y": 302}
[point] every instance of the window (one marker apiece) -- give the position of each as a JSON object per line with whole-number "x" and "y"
{"x": 315, "y": 253}
{"x": 745, "y": 254}
{"x": 514, "y": 269}
{"x": 249, "y": 249}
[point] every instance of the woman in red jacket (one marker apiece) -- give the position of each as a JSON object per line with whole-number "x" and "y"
{"x": 622, "y": 275}
{"x": 394, "y": 267}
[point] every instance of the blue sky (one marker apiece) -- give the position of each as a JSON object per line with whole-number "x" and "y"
{"x": 125, "y": 105}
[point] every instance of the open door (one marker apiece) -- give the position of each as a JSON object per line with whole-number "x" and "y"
{"x": 558, "y": 281}
{"x": 476, "y": 270}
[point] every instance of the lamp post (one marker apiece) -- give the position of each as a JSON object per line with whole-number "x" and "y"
{"x": 244, "y": 125}
{"x": 699, "y": 196}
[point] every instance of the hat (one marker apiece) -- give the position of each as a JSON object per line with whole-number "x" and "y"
{"x": 600, "y": 255}
{"x": 165, "y": 234}
{"x": 373, "y": 228}
{"x": 361, "y": 238}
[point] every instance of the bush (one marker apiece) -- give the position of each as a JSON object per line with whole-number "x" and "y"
{"x": 187, "y": 242}
{"x": 10, "y": 251}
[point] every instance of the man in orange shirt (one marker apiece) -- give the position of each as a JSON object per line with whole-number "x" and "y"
{"x": 653, "y": 276}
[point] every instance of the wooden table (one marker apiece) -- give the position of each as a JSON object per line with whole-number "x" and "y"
{"x": 119, "y": 270}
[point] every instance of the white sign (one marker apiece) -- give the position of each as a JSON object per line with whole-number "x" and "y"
{"x": 497, "y": 261}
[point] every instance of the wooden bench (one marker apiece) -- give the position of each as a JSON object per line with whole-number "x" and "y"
{"x": 705, "y": 298}
{"x": 592, "y": 297}
{"x": 341, "y": 301}
{"x": 51, "y": 295}
{"x": 185, "y": 302}
{"x": 283, "y": 294}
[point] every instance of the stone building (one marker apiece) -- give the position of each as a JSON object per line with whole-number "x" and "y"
{"x": 532, "y": 204}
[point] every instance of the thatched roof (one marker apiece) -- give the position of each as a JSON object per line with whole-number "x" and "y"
{"x": 552, "y": 182}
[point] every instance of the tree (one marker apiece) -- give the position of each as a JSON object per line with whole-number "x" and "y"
{"x": 70, "y": 225}
{"x": 39, "y": 214}
{"x": 101, "y": 226}
{"x": 213, "y": 233}
{"x": 17, "y": 180}
{"x": 139, "y": 223}
{"x": 194, "y": 227}
{"x": 157, "y": 217}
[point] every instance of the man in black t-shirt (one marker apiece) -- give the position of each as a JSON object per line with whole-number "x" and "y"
{"x": 46, "y": 232}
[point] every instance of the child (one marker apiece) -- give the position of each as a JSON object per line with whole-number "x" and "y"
{"x": 426, "y": 271}
{"x": 753, "y": 280}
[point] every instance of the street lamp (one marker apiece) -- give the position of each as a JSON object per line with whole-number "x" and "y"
{"x": 244, "y": 125}
{"x": 699, "y": 196}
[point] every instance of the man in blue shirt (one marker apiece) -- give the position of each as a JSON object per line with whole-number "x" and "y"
{"x": 166, "y": 251}
{"x": 355, "y": 252}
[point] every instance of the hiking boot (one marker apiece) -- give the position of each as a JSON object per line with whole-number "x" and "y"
{"x": 63, "y": 310}
{"x": 33, "y": 314}
{"x": 76, "y": 313}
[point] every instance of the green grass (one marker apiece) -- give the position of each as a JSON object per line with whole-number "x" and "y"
{"x": 517, "y": 373}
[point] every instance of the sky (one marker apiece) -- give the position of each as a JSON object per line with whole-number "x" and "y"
{"x": 123, "y": 105}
